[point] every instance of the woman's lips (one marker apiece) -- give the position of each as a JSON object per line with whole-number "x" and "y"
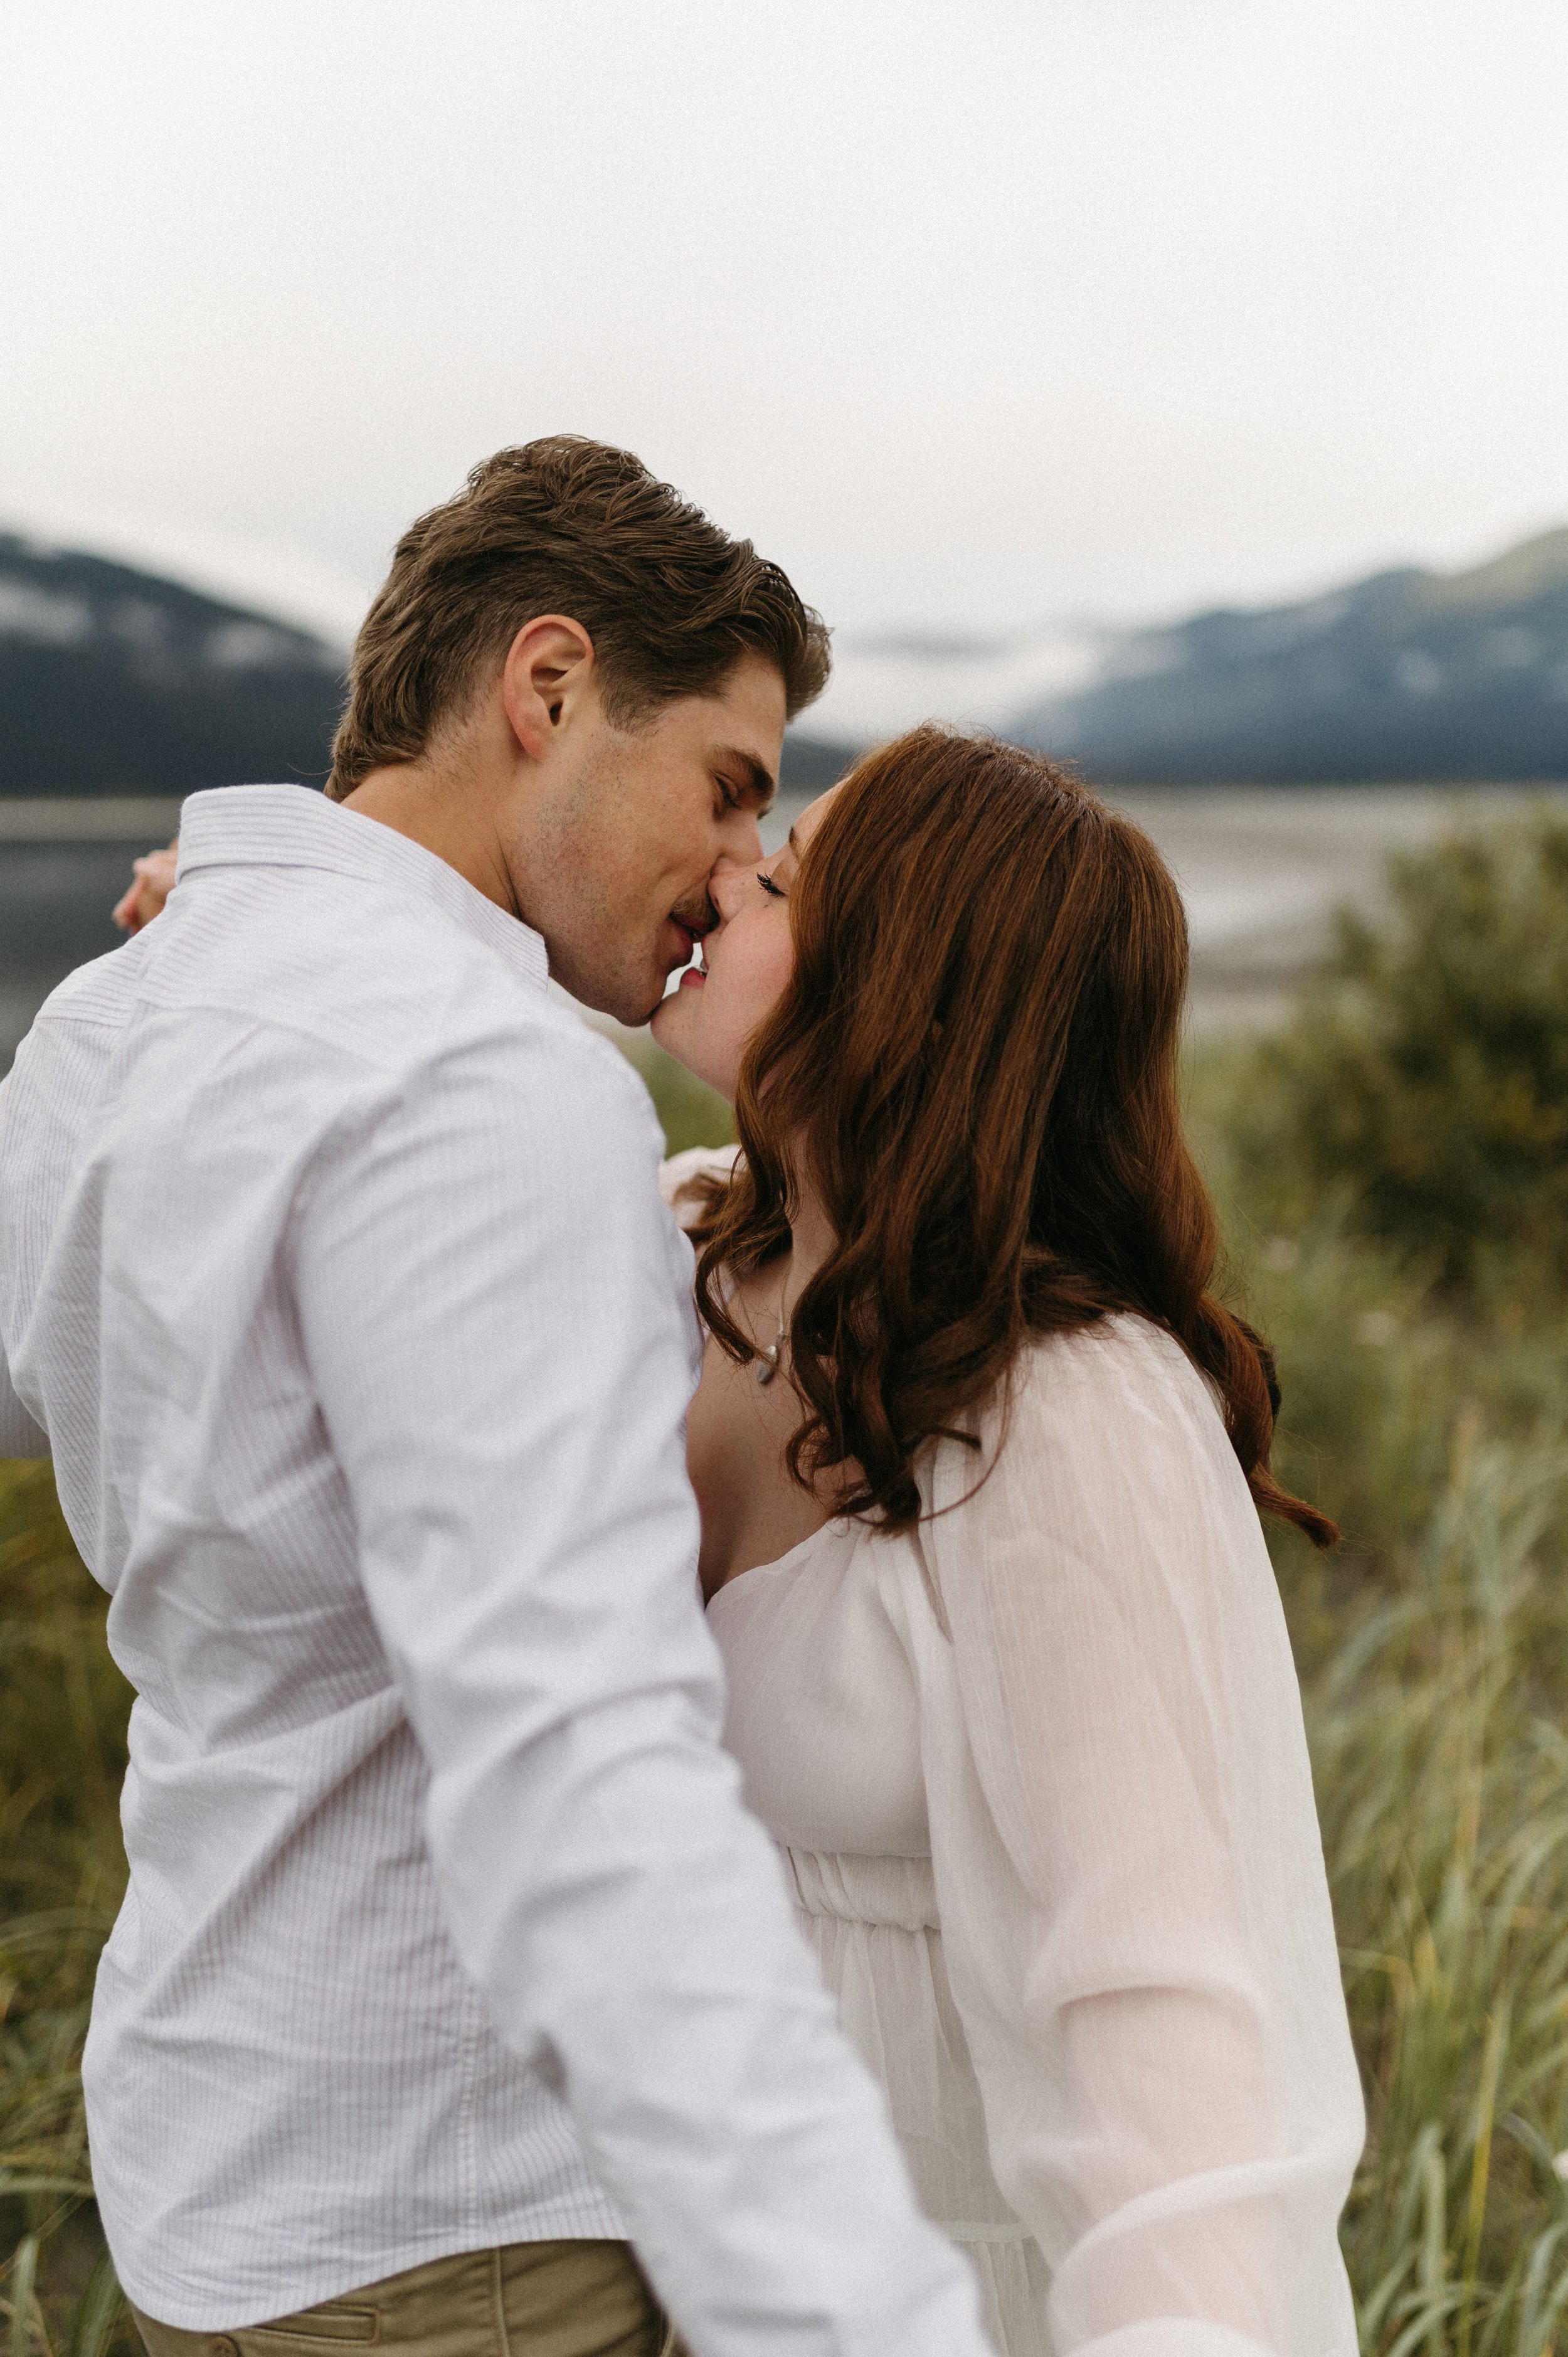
{"x": 693, "y": 979}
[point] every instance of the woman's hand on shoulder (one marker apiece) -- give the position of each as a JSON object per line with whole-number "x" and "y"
{"x": 152, "y": 882}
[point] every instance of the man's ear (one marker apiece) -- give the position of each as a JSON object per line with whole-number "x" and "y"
{"x": 546, "y": 679}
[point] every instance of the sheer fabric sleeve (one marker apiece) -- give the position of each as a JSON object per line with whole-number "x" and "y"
{"x": 697, "y": 1162}
{"x": 1129, "y": 1871}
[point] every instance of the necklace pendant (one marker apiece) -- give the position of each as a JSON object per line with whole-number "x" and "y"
{"x": 767, "y": 1363}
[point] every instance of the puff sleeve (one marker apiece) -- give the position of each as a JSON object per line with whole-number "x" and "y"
{"x": 1128, "y": 1870}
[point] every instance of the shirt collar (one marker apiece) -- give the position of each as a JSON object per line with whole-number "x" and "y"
{"x": 294, "y": 826}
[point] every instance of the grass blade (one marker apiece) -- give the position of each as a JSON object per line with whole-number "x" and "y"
{"x": 24, "y": 2275}
{"x": 98, "y": 2311}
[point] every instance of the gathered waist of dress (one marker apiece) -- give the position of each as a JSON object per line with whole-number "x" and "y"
{"x": 898, "y": 1892}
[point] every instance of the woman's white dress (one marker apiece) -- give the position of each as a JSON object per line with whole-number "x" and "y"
{"x": 1039, "y": 1776}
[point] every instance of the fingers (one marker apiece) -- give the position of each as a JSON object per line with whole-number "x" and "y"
{"x": 155, "y": 877}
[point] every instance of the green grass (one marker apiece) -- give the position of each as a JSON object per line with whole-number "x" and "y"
{"x": 1431, "y": 1417}
{"x": 1433, "y": 1647}
{"x": 63, "y": 1707}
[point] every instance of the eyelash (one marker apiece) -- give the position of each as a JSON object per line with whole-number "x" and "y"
{"x": 770, "y": 886}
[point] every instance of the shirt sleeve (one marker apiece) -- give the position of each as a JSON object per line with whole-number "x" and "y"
{"x": 1129, "y": 1875}
{"x": 495, "y": 1311}
{"x": 19, "y": 1436}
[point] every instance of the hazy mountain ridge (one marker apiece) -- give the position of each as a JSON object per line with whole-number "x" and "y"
{"x": 114, "y": 681}
{"x": 1408, "y": 675}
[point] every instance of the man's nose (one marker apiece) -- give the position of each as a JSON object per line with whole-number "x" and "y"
{"x": 742, "y": 837}
{"x": 727, "y": 882}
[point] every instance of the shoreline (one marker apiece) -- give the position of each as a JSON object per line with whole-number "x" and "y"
{"x": 1262, "y": 869}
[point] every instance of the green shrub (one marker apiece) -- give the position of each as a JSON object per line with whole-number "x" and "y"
{"x": 1424, "y": 1078}
{"x": 1392, "y": 1190}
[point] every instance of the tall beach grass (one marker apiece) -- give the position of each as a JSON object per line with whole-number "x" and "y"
{"x": 63, "y": 1709}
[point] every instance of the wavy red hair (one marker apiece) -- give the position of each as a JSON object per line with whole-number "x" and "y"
{"x": 977, "y": 1057}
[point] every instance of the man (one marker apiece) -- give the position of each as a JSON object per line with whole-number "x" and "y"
{"x": 332, "y": 1271}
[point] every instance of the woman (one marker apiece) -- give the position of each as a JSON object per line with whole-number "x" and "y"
{"x": 981, "y": 1462}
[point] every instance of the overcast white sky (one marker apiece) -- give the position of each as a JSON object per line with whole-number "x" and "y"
{"x": 977, "y": 315}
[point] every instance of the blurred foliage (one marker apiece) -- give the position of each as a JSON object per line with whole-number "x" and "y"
{"x": 1424, "y": 1075}
{"x": 63, "y": 1709}
{"x": 1432, "y": 1646}
{"x": 1394, "y": 1211}
{"x": 1426, "y": 1372}
{"x": 690, "y": 1112}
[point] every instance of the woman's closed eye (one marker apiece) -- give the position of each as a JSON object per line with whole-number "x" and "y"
{"x": 768, "y": 886}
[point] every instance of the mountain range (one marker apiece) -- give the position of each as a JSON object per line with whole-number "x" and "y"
{"x": 116, "y": 680}
{"x": 113, "y": 680}
{"x": 1410, "y": 674}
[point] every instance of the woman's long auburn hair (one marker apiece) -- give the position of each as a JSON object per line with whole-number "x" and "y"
{"x": 976, "y": 1056}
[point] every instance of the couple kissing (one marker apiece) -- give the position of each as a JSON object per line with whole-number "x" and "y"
{"x": 716, "y": 1764}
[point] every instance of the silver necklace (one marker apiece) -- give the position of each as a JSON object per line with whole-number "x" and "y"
{"x": 767, "y": 1361}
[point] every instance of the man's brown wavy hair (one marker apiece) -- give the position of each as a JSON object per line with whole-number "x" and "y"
{"x": 976, "y": 1057}
{"x": 564, "y": 526}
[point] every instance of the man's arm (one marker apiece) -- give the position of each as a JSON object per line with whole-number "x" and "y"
{"x": 489, "y": 1294}
{"x": 19, "y": 1436}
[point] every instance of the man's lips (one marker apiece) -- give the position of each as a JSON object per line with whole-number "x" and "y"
{"x": 693, "y": 941}
{"x": 691, "y": 932}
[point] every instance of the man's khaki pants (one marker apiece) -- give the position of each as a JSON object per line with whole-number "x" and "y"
{"x": 532, "y": 2299}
